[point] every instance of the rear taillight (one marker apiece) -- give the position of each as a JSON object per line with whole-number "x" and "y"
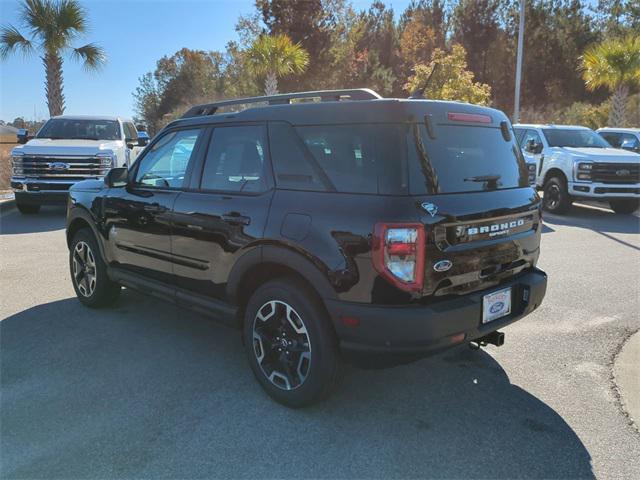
{"x": 398, "y": 254}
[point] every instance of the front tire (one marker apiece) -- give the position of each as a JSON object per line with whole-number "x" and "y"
{"x": 89, "y": 272}
{"x": 556, "y": 196}
{"x": 27, "y": 208}
{"x": 624, "y": 206}
{"x": 291, "y": 346}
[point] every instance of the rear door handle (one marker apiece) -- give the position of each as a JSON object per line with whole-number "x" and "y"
{"x": 236, "y": 219}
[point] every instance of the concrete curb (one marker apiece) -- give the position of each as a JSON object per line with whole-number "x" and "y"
{"x": 626, "y": 372}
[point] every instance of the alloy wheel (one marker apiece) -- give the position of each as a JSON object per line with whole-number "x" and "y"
{"x": 552, "y": 196}
{"x": 281, "y": 345}
{"x": 84, "y": 269}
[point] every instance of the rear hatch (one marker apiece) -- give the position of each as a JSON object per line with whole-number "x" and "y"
{"x": 482, "y": 220}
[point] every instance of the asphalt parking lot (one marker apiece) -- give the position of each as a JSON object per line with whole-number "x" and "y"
{"x": 147, "y": 390}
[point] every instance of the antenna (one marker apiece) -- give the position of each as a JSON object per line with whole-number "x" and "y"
{"x": 418, "y": 93}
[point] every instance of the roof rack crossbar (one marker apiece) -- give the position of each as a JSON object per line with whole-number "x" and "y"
{"x": 283, "y": 99}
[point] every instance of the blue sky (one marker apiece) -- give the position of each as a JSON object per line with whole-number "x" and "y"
{"x": 135, "y": 34}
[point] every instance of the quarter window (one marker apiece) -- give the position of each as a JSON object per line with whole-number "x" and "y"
{"x": 236, "y": 160}
{"x": 165, "y": 164}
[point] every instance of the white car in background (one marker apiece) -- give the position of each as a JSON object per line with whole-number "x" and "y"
{"x": 69, "y": 149}
{"x": 575, "y": 162}
{"x": 624, "y": 138}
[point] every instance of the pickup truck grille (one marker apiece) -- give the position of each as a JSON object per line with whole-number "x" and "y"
{"x": 616, "y": 172}
{"x": 62, "y": 168}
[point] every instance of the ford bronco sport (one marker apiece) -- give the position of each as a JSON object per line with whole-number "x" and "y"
{"x": 326, "y": 231}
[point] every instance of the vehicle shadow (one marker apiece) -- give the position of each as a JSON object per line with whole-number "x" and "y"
{"x": 147, "y": 390}
{"x": 594, "y": 218}
{"x": 47, "y": 220}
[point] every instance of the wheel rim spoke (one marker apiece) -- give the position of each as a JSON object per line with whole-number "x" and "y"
{"x": 84, "y": 269}
{"x": 281, "y": 345}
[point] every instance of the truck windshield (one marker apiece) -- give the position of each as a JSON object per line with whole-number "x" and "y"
{"x": 80, "y": 129}
{"x": 557, "y": 137}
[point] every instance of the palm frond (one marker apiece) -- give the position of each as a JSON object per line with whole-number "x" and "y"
{"x": 70, "y": 17}
{"x": 612, "y": 63}
{"x": 11, "y": 40}
{"x": 276, "y": 54}
{"x": 91, "y": 55}
{"x": 38, "y": 15}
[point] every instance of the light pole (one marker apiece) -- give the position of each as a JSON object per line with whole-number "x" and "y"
{"x": 516, "y": 103}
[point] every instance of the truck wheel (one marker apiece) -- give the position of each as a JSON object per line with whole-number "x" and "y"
{"x": 89, "y": 272}
{"x": 624, "y": 206}
{"x": 556, "y": 196}
{"x": 292, "y": 348}
{"x": 27, "y": 208}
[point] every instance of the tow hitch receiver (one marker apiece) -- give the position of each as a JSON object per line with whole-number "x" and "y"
{"x": 493, "y": 338}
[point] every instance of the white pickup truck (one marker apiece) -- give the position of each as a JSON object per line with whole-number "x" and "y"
{"x": 575, "y": 162}
{"x": 66, "y": 150}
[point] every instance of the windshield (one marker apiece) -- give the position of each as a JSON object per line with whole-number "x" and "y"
{"x": 557, "y": 137}
{"x": 80, "y": 129}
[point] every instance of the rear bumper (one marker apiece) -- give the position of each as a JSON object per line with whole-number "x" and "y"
{"x": 421, "y": 330}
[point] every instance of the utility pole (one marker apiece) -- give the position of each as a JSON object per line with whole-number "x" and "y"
{"x": 516, "y": 103}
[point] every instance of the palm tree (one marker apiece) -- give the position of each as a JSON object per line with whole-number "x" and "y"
{"x": 52, "y": 26}
{"x": 274, "y": 56}
{"x": 614, "y": 64}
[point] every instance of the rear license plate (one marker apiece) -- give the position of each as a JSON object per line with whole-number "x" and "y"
{"x": 496, "y": 305}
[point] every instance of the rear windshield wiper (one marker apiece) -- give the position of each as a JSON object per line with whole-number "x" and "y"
{"x": 483, "y": 178}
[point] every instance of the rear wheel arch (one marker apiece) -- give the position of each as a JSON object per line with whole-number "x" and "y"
{"x": 269, "y": 262}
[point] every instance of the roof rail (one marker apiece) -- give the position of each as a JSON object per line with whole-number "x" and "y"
{"x": 285, "y": 98}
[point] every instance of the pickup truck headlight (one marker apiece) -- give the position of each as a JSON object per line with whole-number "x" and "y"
{"x": 106, "y": 159}
{"x": 531, "y": 169}
{"x": 583, "y": 171}
{"x": 16, "y": 163}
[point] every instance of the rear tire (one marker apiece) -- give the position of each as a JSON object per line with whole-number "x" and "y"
{"x": 89, "y": 272}
{"x": 291, "y": 345}
{"x": 27, "y": 208}
{"x": 556, "y": 197}
{"x": 624, "y": 206}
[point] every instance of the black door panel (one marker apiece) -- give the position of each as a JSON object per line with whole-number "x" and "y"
{"x": 227, "y": 213}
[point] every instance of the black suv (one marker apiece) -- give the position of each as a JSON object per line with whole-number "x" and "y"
{"x": 325, "y": 230}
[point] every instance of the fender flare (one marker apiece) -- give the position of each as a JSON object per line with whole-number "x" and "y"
{"x": 80, "y": 213}
{"x": 314, "y": 272}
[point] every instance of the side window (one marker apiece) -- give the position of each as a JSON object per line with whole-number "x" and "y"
{"x": 165, "y": 164}
{"x": 130, "y": 132}
{"x": 629, "y": 141}
{"x": 290, "y": 162}
{"x": 613, "y": 138}
{"x": 236, "y": 160}
{"x": 530, "y": 135}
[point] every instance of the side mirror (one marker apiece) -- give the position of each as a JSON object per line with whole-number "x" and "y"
{"x": 533, "y": 147}
{"x": 117, "y": 177}
{"x": 23, "y": 136}
{"x": 143, "y": 139}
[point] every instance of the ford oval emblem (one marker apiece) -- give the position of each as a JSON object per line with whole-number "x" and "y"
{"x": 59, "y": 166}
{"x": 443, "y": 265}
{"x": 496, "y": 307}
